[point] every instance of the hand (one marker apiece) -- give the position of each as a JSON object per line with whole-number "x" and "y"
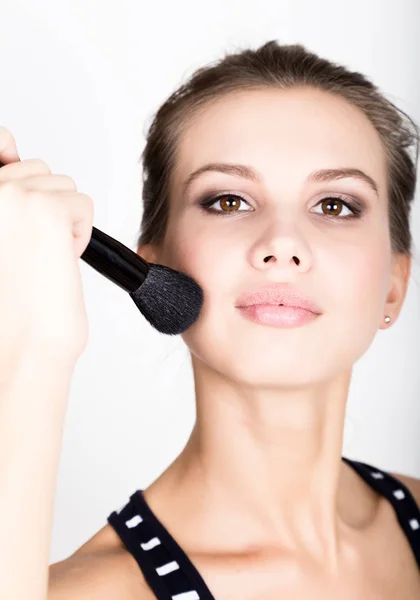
{"x": 45, "y": 226}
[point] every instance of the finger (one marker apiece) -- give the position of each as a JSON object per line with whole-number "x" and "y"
{"x": 23, "y": 168}
{"x": 49, "y": 183}
{"x": 8, "y": 149}
{"x": 80, "y": 210}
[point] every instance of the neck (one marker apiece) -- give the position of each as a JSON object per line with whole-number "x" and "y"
{"x": 272, "y": 458}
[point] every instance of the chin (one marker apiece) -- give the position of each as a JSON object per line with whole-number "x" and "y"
{"x": 276, "y": 377}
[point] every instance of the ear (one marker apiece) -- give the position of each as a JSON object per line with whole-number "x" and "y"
{"x": 148, "y": 253}
{"x": 399, "y": 284}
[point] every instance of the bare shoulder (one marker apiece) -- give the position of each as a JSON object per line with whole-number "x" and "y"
{"x": 412, "y": 483}
{"x": 101, "y": 569}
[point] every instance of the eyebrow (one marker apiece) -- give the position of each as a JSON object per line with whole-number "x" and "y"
{"x": 320, "y": 176}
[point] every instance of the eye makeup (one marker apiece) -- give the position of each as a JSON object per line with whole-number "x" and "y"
{"x": 357, "y": 207}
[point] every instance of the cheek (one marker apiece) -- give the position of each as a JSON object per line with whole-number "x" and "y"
{"x": 213, "y": 261}
{"x": 360, "y": 279}
{"x": 355, "y": 287}
{"x": 218, "y": 266}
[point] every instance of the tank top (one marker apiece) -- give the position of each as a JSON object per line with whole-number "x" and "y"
{"x": 172, "y": 576}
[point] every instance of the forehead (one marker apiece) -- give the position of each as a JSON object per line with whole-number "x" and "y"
{"x": 285, "y": 133}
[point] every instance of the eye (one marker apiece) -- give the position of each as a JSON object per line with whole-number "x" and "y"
{"x": 335, "y": 204}
{"x": 230, "y": 204}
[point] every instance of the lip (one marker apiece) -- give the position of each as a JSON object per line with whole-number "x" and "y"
{"x": 274, "y": 295}
{"x": 277, "y": 316}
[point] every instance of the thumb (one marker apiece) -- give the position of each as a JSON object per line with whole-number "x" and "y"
{"x": 8, "y": 149}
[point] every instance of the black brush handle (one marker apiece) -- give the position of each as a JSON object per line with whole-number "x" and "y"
{"x": 115, "y": 261}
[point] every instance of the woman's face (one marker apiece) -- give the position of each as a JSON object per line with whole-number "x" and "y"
{"x": 345, "y": 264}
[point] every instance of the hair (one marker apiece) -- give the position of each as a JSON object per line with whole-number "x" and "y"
{"x": 280, "y": 67}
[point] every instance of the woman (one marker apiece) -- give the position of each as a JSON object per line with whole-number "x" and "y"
{"x": 272, "y": 176}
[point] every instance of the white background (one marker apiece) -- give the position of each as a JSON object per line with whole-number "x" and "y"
{"x": 79, "y": 83}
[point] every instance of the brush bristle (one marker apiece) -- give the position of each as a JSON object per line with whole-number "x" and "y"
{"x": 170, "y": 300}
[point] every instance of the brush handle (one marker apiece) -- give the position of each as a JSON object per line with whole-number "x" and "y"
{"x": 115, "y": 261}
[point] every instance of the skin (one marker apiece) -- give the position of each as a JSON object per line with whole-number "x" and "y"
{"x": 262, "y": 468}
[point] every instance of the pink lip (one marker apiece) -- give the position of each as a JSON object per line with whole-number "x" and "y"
{"x": 274, "y": 295}
{"x": 277, "y": 316}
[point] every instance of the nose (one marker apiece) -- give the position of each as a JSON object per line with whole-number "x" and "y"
{"x": 283, "y": 249}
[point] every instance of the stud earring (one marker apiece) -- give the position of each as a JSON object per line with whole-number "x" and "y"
{"x": 387, "y": 319}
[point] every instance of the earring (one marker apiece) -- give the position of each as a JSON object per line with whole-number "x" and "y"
{"x": 387, "y": 319}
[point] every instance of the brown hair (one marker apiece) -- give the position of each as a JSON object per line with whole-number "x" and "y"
{"x": 283, "y": 67}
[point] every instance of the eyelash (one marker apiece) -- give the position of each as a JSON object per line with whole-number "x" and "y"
{"x": 207, "y": 202}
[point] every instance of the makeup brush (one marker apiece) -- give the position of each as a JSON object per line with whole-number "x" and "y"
{"x": 170, "y": 300}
